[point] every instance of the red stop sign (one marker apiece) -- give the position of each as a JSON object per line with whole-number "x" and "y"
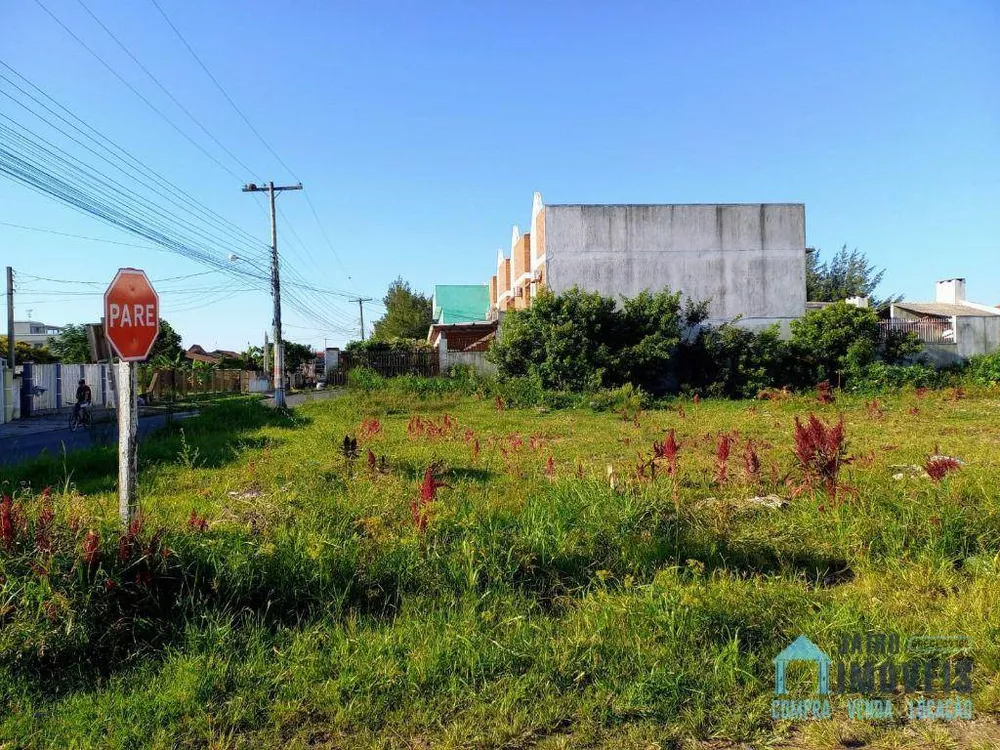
{"x": 131, "y": 314}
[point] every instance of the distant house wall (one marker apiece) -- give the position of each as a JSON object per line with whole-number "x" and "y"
{"x": 900, "y": 313}
{"x": 521, "y": 257}
{"x": 977, "y": 335}
{"x": 33, "y": 333}
{"x": 476, "y": 360}
{"x": 504, "y": 296}
{"x": 747, "y": 260}
{"x": 538, "y": 247}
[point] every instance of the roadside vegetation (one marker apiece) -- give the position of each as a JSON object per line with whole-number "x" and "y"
{"x": 663, "y": 344}
{"x": 483, "y": 564}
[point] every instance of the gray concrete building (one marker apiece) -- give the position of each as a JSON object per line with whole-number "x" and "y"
{"x": 746, "y": 260}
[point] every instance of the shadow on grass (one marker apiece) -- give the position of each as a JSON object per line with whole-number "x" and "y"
{"x": 758, "y": 559}
{"x": 214, "y": 438}
{"x": 552, "y": 578}
{"x": 412, "y": 471}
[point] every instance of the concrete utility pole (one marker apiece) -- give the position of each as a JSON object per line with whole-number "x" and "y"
{"x": 279, "y": 350}
{"x": 10, "y": 318}
{"x": 361, "y": 307}
{"x": 128, "y": 442}
{"x": 267, "y": 353}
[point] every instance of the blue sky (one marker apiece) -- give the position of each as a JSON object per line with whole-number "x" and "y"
{"x": 421, "y": 130}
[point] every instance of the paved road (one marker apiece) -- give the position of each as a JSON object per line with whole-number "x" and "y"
{"x": 27, "y": 440}
{"x": 297, "y": 399}
{"x": 15, "y": 448}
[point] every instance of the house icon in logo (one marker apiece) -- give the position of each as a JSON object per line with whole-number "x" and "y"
{"x": 802, "y": 649}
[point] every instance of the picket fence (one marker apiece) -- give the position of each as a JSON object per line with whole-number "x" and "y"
{"x": 54, "y": 385}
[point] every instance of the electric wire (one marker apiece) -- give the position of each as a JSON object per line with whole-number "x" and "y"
{"x": 128, "y": 163}
{"x": 254, "y": 130}
{"x": 136, "y": 91}
{"x": 164, "y": 89}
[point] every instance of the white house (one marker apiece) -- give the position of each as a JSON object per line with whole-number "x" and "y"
{"x": 951, "y": 327}
{"x": 34, "y": 333}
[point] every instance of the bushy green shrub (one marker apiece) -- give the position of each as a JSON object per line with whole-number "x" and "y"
{"x": 582, "y": 341}
{"x": 624, "y": 398}
{"x": 365, "y": 379}
{"x": 569, "y": 341}
{"x": 839, "y": 341}
{"x": 655, "y": 326}
{"x": 984, "y": 369}
{"x": 735, "y": 362}
{"x": 877, "y": 377}
{"x": 836, "y": 337}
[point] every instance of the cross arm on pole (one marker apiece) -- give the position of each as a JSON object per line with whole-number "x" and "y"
{"x": 254, "y": 188}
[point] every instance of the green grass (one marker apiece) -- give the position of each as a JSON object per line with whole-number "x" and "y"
{"x": 538, "y": 609}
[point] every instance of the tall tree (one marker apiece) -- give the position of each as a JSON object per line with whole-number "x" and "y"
{"x": 24, "y": 352}
{"x": 253, "y": 358}
{"x": 848, "y": 274}
{"x": 168, "y": 343}
{"x": 72, "y": 345}
{"x": 407, "y": 313}
{"x": 297, "y": 354}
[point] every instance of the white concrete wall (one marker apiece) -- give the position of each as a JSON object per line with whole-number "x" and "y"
{"x": 60, "y": 382}
{"x": 747, "y": 259}
{"x": 476, "y": 360}
{"x": 7, "y": 396}
{"x": 977, "y": 335}
{"x": 259, "y": 384}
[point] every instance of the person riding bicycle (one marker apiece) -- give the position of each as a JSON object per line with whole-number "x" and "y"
{"x": 83, "y": 397}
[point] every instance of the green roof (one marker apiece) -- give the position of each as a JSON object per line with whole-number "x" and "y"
{"x": 461, "y": 303}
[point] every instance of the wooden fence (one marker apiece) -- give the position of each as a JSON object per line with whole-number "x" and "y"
{"x": 164, "y": 384}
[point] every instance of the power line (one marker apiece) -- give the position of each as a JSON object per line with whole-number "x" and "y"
{"x": 74, "y": 236}
{"x": 51, "y": 171}
{"x": 223, "y": 91}
{"x": 136, "y": 91}
{"x": 191, "y": 292}
{"x": 254, "y": 130}
{"x": 164, "y": 89}
{"x": 58, "y": 177}
{"x": 98, "y": 283}
{"x": 125, "y": 162}
{"x": 109, "y": 198}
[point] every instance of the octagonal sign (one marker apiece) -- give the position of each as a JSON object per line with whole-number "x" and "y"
{"x": 131, "y": 314}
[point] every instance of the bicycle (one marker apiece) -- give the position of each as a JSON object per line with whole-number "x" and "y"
{"x": 79, "y": 418}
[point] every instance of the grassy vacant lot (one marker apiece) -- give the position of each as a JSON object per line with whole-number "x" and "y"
{"x": 535, "y": 601}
